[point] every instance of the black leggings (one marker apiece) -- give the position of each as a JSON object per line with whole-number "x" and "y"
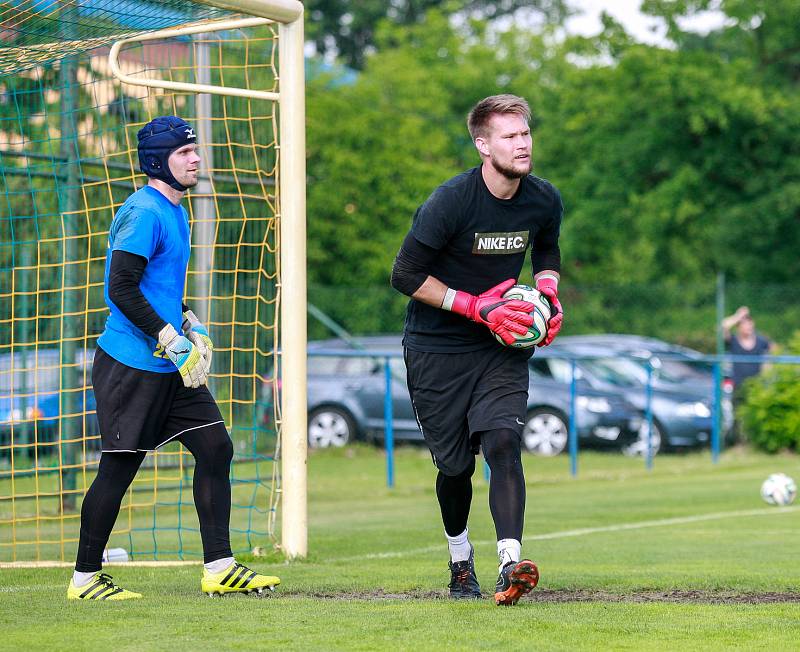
{"x": 501, "y": 448}
{"x": 212, "y": 450}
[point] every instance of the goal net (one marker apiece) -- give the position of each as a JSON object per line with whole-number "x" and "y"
{"x": 68, "y": 160}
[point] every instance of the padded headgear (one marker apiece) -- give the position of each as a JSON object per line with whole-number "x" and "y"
{"x": 157, "y": 140}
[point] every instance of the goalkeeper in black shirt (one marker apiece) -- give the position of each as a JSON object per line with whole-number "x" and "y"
{"x": 466, "y": 247}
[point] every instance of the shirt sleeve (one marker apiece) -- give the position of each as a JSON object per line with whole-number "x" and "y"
{"x": 411, "y": 265}
{"x": 435, "y": 221}
{"x": 545, "y": 250}
{"x": 136, "y": 231}
{"x": 123, "y": 289}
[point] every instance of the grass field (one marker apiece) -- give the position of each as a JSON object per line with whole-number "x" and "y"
{"x": 685, "y": 556}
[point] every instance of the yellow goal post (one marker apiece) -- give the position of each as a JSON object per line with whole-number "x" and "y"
{"x": 78, "y": 78}
{"x": 292, "y": 202}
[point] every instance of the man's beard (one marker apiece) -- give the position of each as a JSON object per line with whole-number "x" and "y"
{"x": 189, "y": 182}
{"x": 510, "y": 172}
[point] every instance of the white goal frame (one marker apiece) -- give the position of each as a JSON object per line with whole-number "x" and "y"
{"x": 292, "y": 235}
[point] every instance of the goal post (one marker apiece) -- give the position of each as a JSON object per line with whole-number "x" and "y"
{"x": 67, "y": 162}
{"x": 291, "y": 99}
{"x": 294, "y": 440}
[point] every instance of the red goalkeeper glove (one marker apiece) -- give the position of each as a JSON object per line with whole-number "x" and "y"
{"x": 501, "y": 316}
{"x": 548, "y": 286}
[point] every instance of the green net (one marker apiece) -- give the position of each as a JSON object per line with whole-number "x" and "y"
{"x": 40, "y": 31}
{"x": 67, "y": 161}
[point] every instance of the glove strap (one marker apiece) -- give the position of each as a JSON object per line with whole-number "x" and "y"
{"x": 189, "y": 320}
{"x": 449, "y": 298}
{"x": 458, "y": 302}
{"x": 549, "y": 280}
{"x": 166, "y": 335}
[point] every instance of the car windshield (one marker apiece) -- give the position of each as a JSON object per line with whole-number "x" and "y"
{"x": 616, "y": 371}
{"x": 670, "y": 370}
{"x": 679, "y": 370}
{"x": 30, "y": 373}
{"x": 39, "y": 371}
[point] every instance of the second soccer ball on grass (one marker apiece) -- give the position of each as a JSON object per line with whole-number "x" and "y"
{"x": 779, "y": 489}
{"x": 541, "y": 314}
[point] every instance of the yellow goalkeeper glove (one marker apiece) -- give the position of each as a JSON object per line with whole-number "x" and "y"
{"x": 194, "y": 329}
{"x": 184, "y": 355}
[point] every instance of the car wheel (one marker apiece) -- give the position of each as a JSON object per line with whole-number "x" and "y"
{"x": 639, "y": 446}
{"x": 545, "y": 432}
{"x": 330, "y": 426}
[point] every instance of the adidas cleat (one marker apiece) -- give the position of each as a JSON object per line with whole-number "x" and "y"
{"x": 515, "y": 580}
{"x": 237, "y": 579}
{"x": 463, "y": 581}
{"x": 100, "y": 587}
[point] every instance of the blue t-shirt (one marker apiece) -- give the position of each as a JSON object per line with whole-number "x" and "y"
{"x": 148, "y": 225}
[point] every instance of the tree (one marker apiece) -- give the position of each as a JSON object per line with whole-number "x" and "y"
{"x": 765, "y": 31}
{"x": 674, "y": 164}
{"x": 348, "y": 29}
{"x": 379, "y": 147}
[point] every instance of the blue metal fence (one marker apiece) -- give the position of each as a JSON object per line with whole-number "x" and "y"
{"x": 717, "y": 362}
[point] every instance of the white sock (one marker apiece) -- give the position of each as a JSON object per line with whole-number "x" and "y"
{"x": 218, "y": 565}
{"x": 82, "y": 579}
{"x": 508, "y": 550}
{"x": 459, "y": 546}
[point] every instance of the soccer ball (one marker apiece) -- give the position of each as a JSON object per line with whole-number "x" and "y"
{"x": 541, "y": 314}
{"x": 779, "y": 489}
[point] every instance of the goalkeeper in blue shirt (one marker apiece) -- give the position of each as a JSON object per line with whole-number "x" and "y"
{"x": 150, "y": 370}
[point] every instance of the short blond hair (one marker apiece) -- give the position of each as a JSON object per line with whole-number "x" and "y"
{"x": 478, "y": 118}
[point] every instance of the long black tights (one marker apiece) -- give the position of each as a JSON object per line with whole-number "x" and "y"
{"x": 455, "y": 497}
{"x": 501, "y": 449}
{"x": 212, "y": 450}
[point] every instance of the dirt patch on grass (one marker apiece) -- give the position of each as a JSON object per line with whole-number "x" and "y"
{"x": 683, "y": 596}
{"x": 569, "y": 595}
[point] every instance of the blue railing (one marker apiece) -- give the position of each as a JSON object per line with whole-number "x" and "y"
{"x": 717, "y": 361}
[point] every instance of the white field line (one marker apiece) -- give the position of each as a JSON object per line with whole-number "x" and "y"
{"x": 563, "y": 534}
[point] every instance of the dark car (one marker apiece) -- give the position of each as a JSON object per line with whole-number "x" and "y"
{"x": 682, "y": 409}
{"x": 31, "y": 399}
{"x": 672, "y": 365}
{"x": 603, "y": 418}
{"x": 346, "y": 401}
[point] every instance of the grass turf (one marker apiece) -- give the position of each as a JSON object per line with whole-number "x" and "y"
{"x": 685, "y": 555}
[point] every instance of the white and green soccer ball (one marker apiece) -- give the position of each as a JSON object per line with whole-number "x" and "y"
{"x": 779, "y": 489}
{"x": 541, "y": 314}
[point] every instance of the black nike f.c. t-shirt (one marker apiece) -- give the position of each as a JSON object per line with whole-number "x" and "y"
{"x": 481, "y": 242}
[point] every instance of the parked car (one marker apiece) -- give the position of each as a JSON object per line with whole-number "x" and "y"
{"x": 682, "y": 412}
{"x": 346, "y": 402}
{"x": 30, "y": 400}
{"x": 673, "y": 366}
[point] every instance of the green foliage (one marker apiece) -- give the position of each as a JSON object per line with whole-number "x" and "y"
{"x": 379, "y": 147}
{"x": 674, "y": 165}
{"x": 770, "y": 412}
{"x": 349, "y": 29}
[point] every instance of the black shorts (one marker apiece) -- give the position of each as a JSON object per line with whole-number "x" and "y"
{"x": 142, "y": 410}
{"x": 456, "y": 396}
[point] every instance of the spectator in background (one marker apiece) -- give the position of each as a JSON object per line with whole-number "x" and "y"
{"x": 745, "y": 341}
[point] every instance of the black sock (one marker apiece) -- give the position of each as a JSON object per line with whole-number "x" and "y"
{"x": 455, "y": 497}
{"x": 213, "y": 451}
{"x": 501, "y": 448}
{"x": 101, "y": 506}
